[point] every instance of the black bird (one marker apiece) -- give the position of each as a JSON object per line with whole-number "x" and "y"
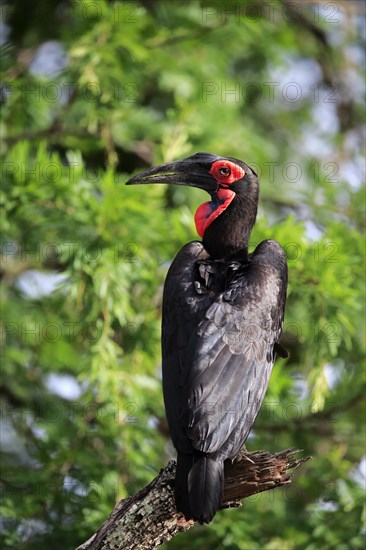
{"x": 223, "y": 313}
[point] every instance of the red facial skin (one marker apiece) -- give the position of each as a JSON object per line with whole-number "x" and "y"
{"x": 234, "y": 172}
{"x": 225, "y": 173}
{"x": 208, "y": 211}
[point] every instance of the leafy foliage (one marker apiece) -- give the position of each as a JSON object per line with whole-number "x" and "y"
{"x": 126, "y": 85}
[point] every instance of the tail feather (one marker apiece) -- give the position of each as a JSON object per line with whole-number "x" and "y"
{"x": 198, "y": 486}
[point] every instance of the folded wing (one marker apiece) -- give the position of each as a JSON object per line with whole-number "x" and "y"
{"x": 221, "y": 324}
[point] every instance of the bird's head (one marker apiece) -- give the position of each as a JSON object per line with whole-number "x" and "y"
{"x": 223, "y": 178}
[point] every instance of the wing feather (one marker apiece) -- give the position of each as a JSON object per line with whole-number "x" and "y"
{"x": 219, "y": 341}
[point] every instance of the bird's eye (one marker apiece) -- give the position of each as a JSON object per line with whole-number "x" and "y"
{"x": 226, "y": 172}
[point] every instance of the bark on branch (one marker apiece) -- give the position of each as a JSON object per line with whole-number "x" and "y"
{"x": 149, "y": 518}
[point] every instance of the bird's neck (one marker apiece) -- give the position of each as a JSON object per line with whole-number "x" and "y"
{"x": 229, "y": 232}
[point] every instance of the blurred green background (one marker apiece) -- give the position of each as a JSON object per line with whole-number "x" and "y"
{"x": 94, "y": 90}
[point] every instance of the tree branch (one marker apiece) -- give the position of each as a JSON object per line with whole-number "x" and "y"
{"x": 149, "y": 518}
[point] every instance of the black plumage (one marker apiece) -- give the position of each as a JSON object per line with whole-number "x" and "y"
{"x": 222, "y": 318}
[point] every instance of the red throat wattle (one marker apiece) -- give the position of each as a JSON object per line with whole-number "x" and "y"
{"x": 209, "y": 211}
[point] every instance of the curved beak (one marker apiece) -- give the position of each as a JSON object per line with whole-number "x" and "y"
{"x": 182, "y": 172}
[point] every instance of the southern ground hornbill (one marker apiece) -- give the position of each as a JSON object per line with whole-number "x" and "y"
{"x": 222, "y": 318}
